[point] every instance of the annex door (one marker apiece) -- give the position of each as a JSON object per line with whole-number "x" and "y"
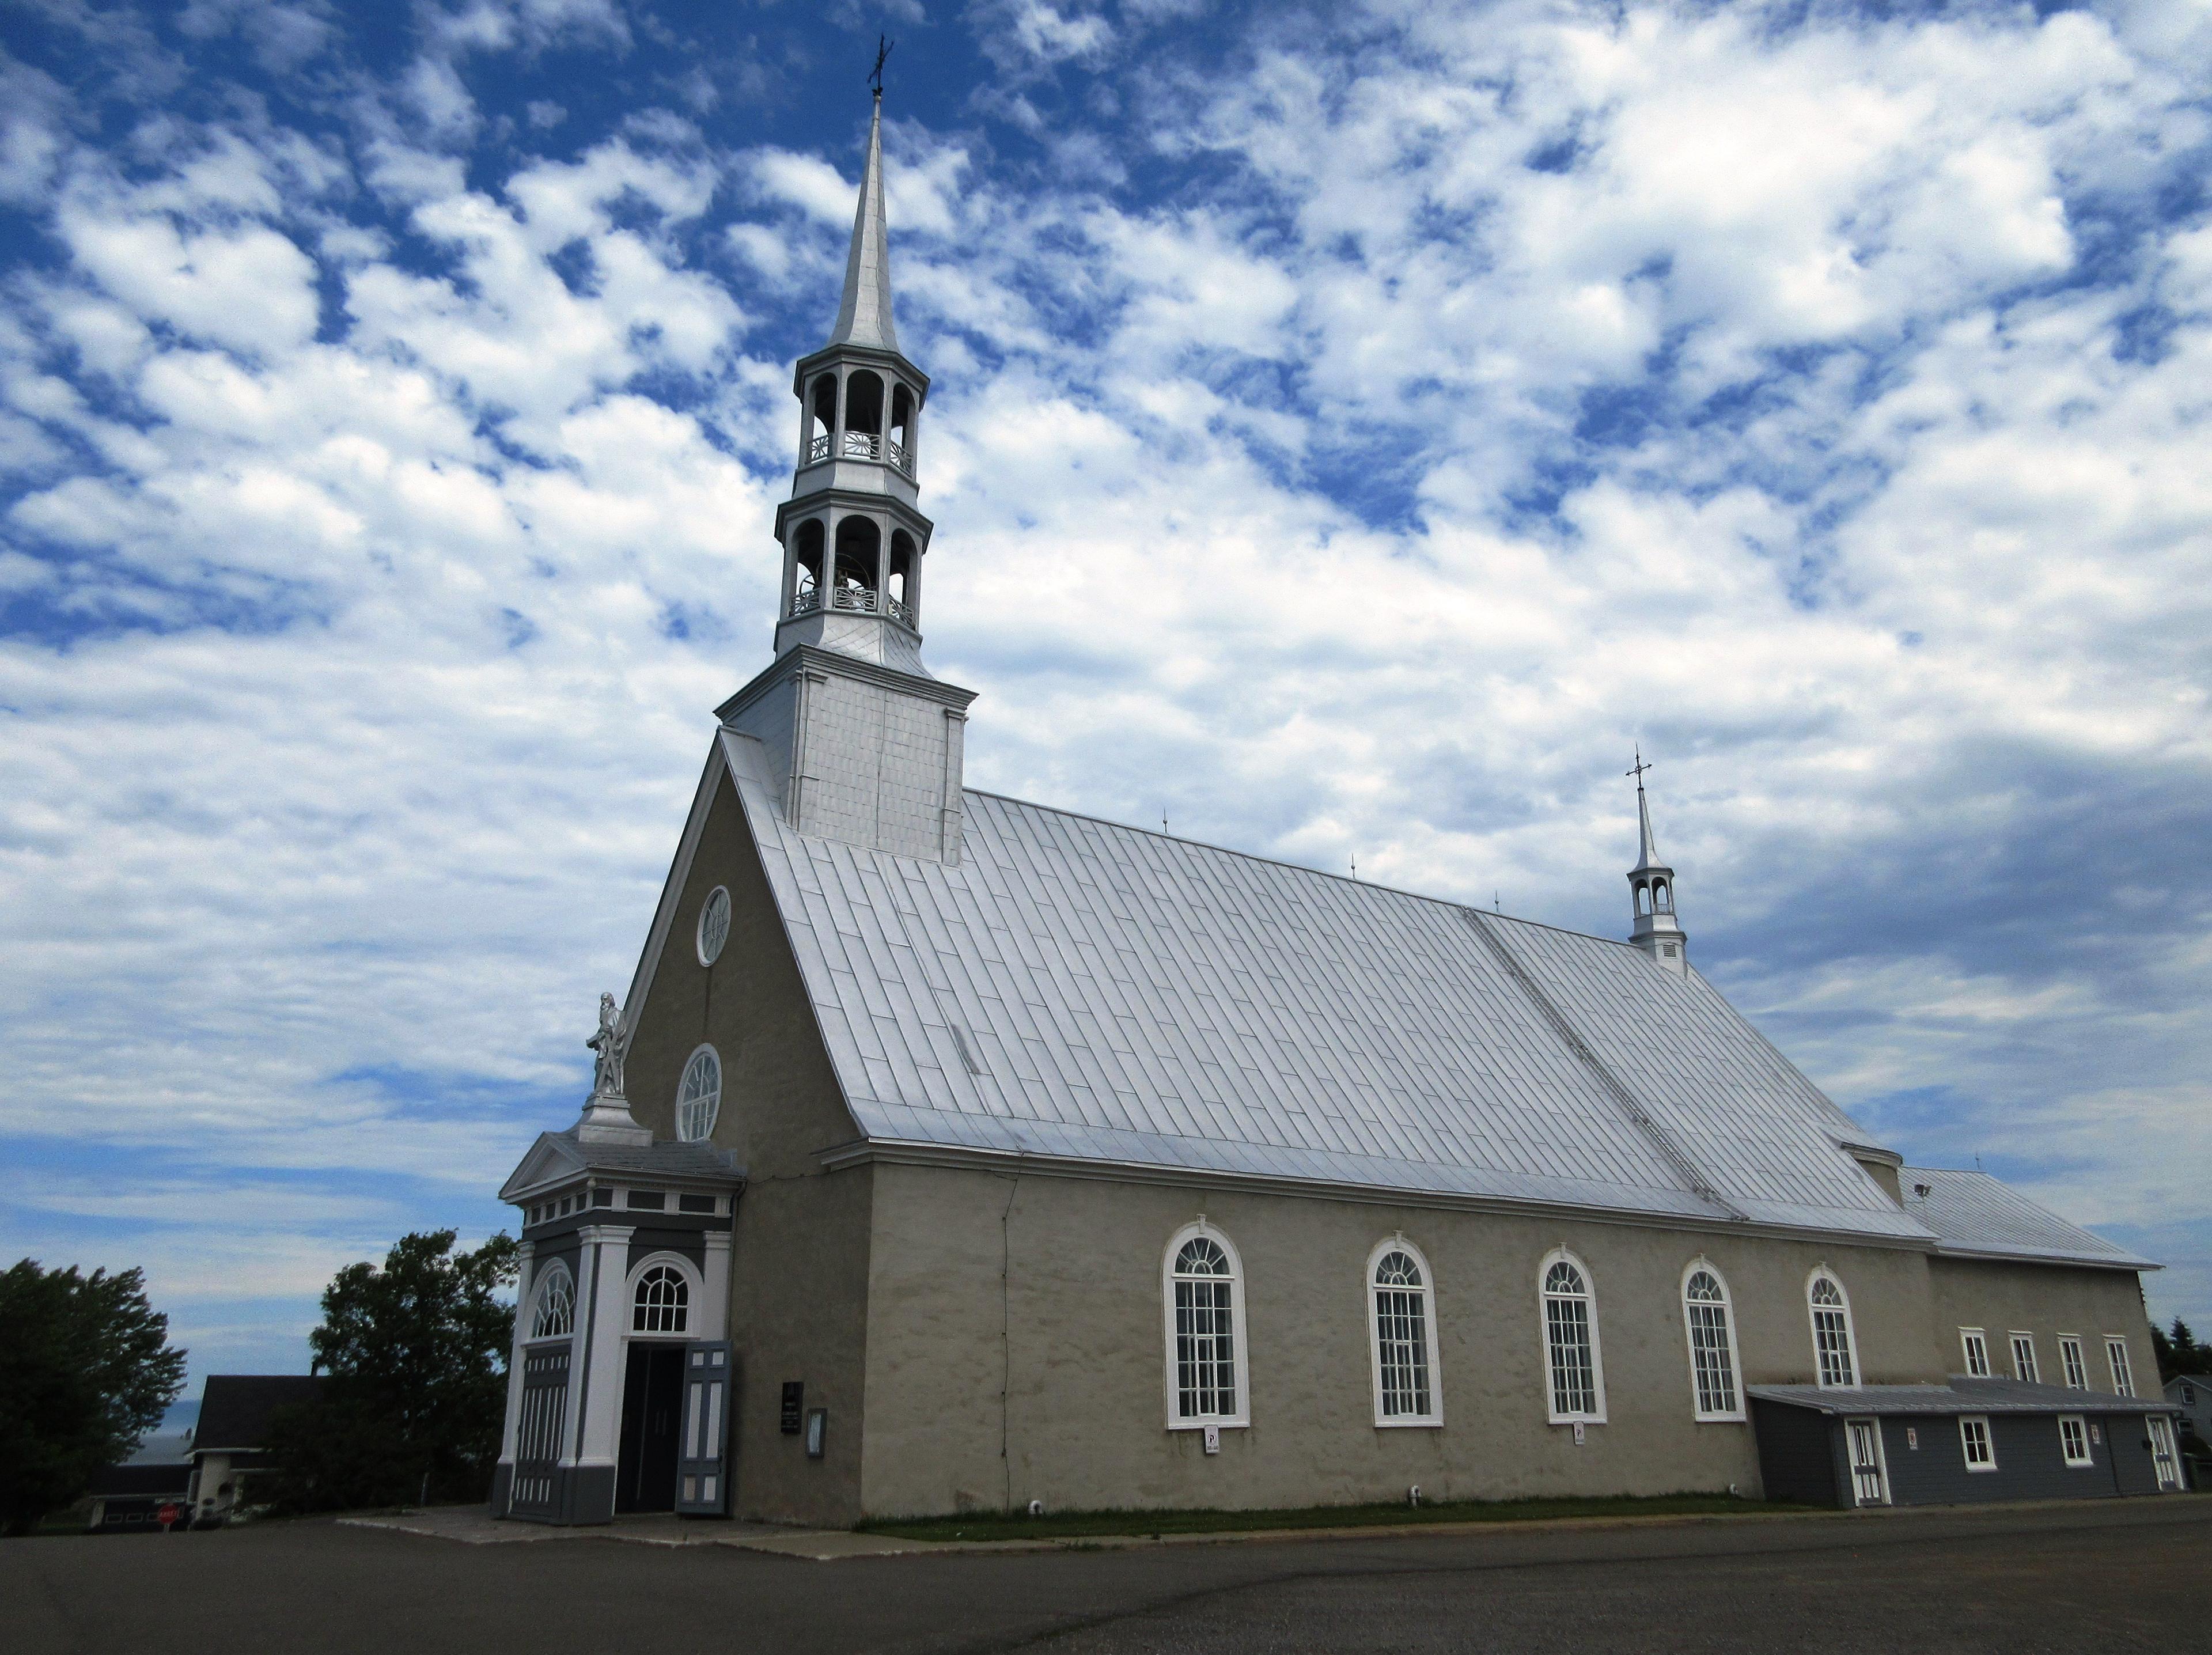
{"x": 2162, "y": 1451}
{"x": 1869, "y": 1478}
{"x": 538, "y": 1430}
{"x": 653, "y": 1405}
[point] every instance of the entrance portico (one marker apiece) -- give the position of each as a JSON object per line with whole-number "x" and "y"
{"x": 619, "y": 1381}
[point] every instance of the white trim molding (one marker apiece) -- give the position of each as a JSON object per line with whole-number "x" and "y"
{"x": 2072, "y": 1363}
{"x": 1840, "y": 1308}
{"x": 2117, "y": 1359}
{"x": 1240, "y": 1366}
{"x": 713, "y": 1105}
{"x": 1733, "y": 1395}
{"x": 1583, "y": 1294}
{"x": 2074, "y": 1441}
{"x": 1974, "y": 1439}
{"x": 2024, "y": 1364}
{"x": 1423, "y": 1292}
{"x": 695, "y": 1298}
{"x": 1974, "y": 1351}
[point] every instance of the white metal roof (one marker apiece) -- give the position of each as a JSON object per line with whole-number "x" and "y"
{"x": 1078, "y": 988}
{"x": 1972, "y": 1212}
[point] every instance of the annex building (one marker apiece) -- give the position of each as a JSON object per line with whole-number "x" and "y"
{"x": 952, "y": 1152}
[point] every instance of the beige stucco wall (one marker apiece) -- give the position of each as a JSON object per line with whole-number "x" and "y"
{"x": 799, "y": 1266}
{"x": 1077, "y": 1331}
{"x": 2045, "y": 1301}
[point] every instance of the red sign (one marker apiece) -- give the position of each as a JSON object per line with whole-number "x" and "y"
{"x": 166, "y": 1515}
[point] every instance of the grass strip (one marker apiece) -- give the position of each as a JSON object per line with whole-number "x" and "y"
{"x": 1059, "y": 1525}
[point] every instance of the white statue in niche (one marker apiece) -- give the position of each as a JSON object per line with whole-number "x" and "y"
{"x": 607, "y": 1072}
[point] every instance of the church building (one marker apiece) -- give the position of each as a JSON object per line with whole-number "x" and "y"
{"x": 954, "y": 1153}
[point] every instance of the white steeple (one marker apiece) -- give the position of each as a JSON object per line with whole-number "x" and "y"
{"x": 1652, "y": 925}
{"x": 866, "y": 743}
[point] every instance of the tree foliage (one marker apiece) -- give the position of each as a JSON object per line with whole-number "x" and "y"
{"x": 416, "y": 1353}
{"x": 2177, "y": 1351}
{"x": 86, "y": 1370}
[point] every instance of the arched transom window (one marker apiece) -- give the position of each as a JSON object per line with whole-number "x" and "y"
{"x": 1206, "y": 1331}
{"x": 555, "y": 1314}
{"x": 699, "y": 1099}
{"x": 1405, "y": 1337}
{"x": 661, "y": 1302}
{"x": 1570, "y": 1344}
{"x": 1834, "y": 1346}
{"x": 1712, "y": 1343}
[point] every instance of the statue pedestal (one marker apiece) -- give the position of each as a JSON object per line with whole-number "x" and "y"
{"x": 606, "y": 1120}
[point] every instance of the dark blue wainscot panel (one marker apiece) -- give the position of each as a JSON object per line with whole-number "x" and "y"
{"x": 2030, "y": 1461}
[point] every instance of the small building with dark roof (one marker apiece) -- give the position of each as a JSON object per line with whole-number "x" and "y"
{"x": 230, "y": 1443}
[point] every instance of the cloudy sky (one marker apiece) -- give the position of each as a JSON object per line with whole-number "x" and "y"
{"x": 1355, "y": 429}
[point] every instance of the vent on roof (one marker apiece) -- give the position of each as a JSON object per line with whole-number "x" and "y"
{"x": 967, "y": 1051}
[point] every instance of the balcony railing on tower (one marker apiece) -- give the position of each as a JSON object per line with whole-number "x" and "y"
{"x": 860, "y": 445}
{"x": 857, "y": 600}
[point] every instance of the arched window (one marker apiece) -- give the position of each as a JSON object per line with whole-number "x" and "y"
{"x": 864, "y": 417}
{"x": 901, "y": 574}
{"x": 1205, "y": 1304}
{"x": 699, "y": 1097}
{"x": 661, "y": 1302}
{"x": 853, "y": 586}
{"x": 555, "y": 1314}
{"x": 1571, "y": 1344}
{"x": 1642, "y": 899}
{"x": 902, "y": 431}
{"x": 823, "y": 421}
{"x": 1832, "y": 1343}
{"x": 806, "y": 552}
{"x": 1405, "y": 1331}
{"x": 1712, "y": 1342}
{"x": 1659, "y": 895}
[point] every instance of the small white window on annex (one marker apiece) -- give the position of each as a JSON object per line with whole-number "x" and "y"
{"x": 714, "y": 925}
{"x": 553, "y": 1306}
{"x": 1202, "y": 1297}
{"x": 666, "y": 1300}
{"x": 1573, "y": 1361}
{"x": 1709, "y": 1319}
{"x": 1403, "y": 1324}
{"x": 1835, "y": 1346}
{"x": 699, "y": 1095}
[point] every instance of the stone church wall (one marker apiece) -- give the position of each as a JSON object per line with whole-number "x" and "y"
{"x": 1074, "y": 1331}
{"x": 798, "y": 1266}
{"x": 2003, "y": 1299}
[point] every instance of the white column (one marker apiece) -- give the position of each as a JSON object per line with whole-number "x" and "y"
{"x": 598, "y": 1392}
{"x": 717, "y": 1318}
{"x": 525, "y": 1283}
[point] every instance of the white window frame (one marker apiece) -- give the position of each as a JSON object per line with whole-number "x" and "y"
{"x": 1697, "y": 1410}
{"x": 1966, "y": 1442}
{"x": 708, "y": 957}
{"x": 2124, "y": 1371}
{"x": 2079, "y": 1440}
{"x": 2028, "y": 1373}
{"x": 1596, "y": 1417}
{"x": 1242, "y": 1363}
{"x": 1974, "y": 1350}
{"x": 697, "y": 1323}
{"x": 683, "y": 1079}
{"x": 2070, "y": 1358}
{"x": 1384, "y": 1249}
{"x": 556, "y": 1274}
{"x": 1822, "y": 1273}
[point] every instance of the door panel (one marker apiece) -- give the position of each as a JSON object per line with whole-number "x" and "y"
{"x": 702, "y": 1485}
{"x": 1870, "y": 1485}
{"x": 539, "y": 1429}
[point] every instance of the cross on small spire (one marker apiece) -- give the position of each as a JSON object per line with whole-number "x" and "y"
{"x": 876, "y": 75}
{"x": 1638, "y": 769}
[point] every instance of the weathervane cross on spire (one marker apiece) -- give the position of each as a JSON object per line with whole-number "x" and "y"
{"x": 1638, "y": 769}
{"x": 876, "y": 75}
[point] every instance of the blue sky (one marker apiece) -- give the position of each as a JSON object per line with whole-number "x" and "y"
{"x": 1355, "y": 428}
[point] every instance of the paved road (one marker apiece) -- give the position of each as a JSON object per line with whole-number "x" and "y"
{"x": 2102, "y": 1578}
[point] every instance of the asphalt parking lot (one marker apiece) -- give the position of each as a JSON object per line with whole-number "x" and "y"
{"x": 2105, "y": 1577}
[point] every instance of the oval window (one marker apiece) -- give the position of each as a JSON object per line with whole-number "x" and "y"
{"x": 699, "y": 1099}
{"x": 714, "y": 925}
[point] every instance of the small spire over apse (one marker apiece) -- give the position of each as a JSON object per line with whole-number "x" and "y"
{"x": 1653, "y": 927}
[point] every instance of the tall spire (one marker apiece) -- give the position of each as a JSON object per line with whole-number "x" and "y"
{"x": 1652, "y": 925}
{"x": 864, "y": 314}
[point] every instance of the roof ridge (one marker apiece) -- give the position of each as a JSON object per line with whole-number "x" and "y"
{"x": 1297, "y": 868}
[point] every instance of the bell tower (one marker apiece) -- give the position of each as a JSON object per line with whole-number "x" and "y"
{"x": 1652, "y": 925}
{"x": 867, "y": 742}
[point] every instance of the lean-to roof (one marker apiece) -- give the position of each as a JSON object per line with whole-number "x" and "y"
{"x": 1074, "y": 988}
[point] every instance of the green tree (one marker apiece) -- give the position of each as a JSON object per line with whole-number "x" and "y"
{"x": 86, "y": 1371}
{"x": 2177, "y": 1351}
{"x": 416, "y": 1355}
